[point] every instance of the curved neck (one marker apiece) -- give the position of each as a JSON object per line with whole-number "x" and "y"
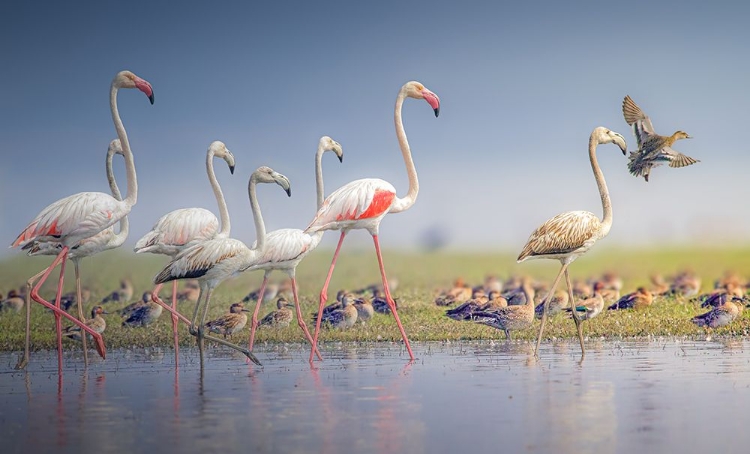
{"x": 223, "y": 212}
{"x": 260, "y": 227}
{"x": 602, "y": 185}
{"x": 122, "y": 235}
{"x": 411, "y": 196}
{"x": 132, "y": 196}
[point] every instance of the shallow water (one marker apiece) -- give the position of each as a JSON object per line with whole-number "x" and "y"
{"x": 658, "y": 396}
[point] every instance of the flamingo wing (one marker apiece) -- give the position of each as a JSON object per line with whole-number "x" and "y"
{"x": 199, "y": 259}
{"x": 361, "y": 199}
{"x": 284, "y": 245}
{"x": 562, "y": 234}
{"x": 180, "y": 227}
{"x": 80, "y": 216}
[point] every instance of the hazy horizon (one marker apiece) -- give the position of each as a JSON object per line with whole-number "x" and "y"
{"x": 521, "y": 88}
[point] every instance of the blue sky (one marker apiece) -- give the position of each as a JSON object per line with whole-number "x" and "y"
{"x": 521, "y": 85}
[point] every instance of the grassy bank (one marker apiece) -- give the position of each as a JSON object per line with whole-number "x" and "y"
{"x": 419, "y": 276}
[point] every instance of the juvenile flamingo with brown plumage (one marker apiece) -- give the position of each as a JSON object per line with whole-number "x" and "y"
{"x": 362, "y": 204}
{"x": 569, "y": 235}
{"x": 179, "y": 229}
{"x": 285, "y": 248}
{"x": 75, "y": 218}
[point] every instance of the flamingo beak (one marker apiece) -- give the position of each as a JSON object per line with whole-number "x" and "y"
{"x": 231, "y": 170}
{"x": 145, "y": 87}
{"x": 433, "y": 100}
{"x": 341, "y": 157}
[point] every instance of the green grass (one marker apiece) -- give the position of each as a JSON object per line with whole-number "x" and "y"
{"x": 420, "y": 276}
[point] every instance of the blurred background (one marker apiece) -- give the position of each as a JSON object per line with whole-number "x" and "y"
{"x": 521, "y": 85}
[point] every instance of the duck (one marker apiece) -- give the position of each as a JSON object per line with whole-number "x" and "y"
{"x": 272, "y": 289}
{"x": 557, "y": 303}
{"x": 365, "y": 310}
{"x": 721, "y": 315}
{"x": 336, "y": 305}
{"x": 510, "y": 318}
{"x": 124, "y": 293}
{"x": 343, "y": 318}
{"x": 145, "y": 315}
{"x": 478, "y": 302}
{"x": 96, "y": 323}
{"x": 378, "y": 286}
{"x": 380, "y": 304}
{"x": 658, "y": 285}
{"x": 190, "y": 293}
{"x": 653, "y": 149}
{"x": 128, "y": 310}
{"x": 720, "y": 296}
{"x": 13, "y": 302}
{"x": 639, "y": 299}
{"x": 686, "y": 284}
{"x": 592, "y": 306}
{"x": 460, "y": 293}
{"x": 281, "y": 317}
{"x": 231, "y": 323}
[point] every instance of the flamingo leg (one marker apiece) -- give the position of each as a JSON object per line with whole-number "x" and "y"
{"x": 174, "y": 323}
{"x": 389, "y": 298}
{"x": 254, "y": 322}
{"x": 24, "y": 360}
{"x": 79, "y": 303}
{"x": 58, "y": 319}
{"x": 155, "y": 298}
{"x": 546, "y": 307}
{"x": 324, "y": 297}
{"x": 63, "y": 255}
{"x": 576, "y": 318}
{"x": 300, "y": 319}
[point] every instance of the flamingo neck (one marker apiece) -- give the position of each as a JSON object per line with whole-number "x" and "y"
{"x": 132, "y": 196}
{"x": 402, "y": 204}
{"x": 319, "y": 175}
{"x": 602, "y": 185}
{"x": 122, "y": 235}
{"x": 260, "y": 227}
{"x": 223, "y": 212}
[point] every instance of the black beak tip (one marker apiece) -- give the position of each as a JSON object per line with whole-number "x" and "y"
{"x": 289, "y": 192}
{"x": 437, "y": 112}
{"x": 151, "y": 98}
{"x": 341, "y": 158}
{"x": 231, "y": 170}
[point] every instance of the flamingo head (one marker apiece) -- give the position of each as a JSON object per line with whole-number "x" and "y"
{"x": 115, "y": 147}
{"x": 328, "y": 144}
{"x": 218, "y": 149}
{"x": 604, "y": 135}
{"x": 268, "y": 175}
{"x": 126, "y": 79}
{"x": 417, "y": 90}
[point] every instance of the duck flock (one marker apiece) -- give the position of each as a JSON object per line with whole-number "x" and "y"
{"x": 201, "y": 250}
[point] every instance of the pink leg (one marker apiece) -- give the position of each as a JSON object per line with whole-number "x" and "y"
{"x": 63, "y": 255}
{"x": 254, "y": 322}
{"x": 79, "y": 302}
{"x": 301, "y": 321}
{"x": 155, "y": 298}
{"x": 324, "y": 297}
{"x": 27, "y": 301}
{"x": 389, "y": 298}
{"x": 174, "y": 323}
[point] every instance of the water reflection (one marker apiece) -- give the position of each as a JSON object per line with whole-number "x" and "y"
{"x": 480, "y": 396}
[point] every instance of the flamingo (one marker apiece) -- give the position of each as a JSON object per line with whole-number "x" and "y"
{"x": 285, "y": 248}
{"x": 569, "y": 235}
{"x": 182, "y": 228}
{"x": 214, "y": 260}
{"x": 103, "y": 241}
{"x": 75, "y": 218}
{"x": 362, "y": 204}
